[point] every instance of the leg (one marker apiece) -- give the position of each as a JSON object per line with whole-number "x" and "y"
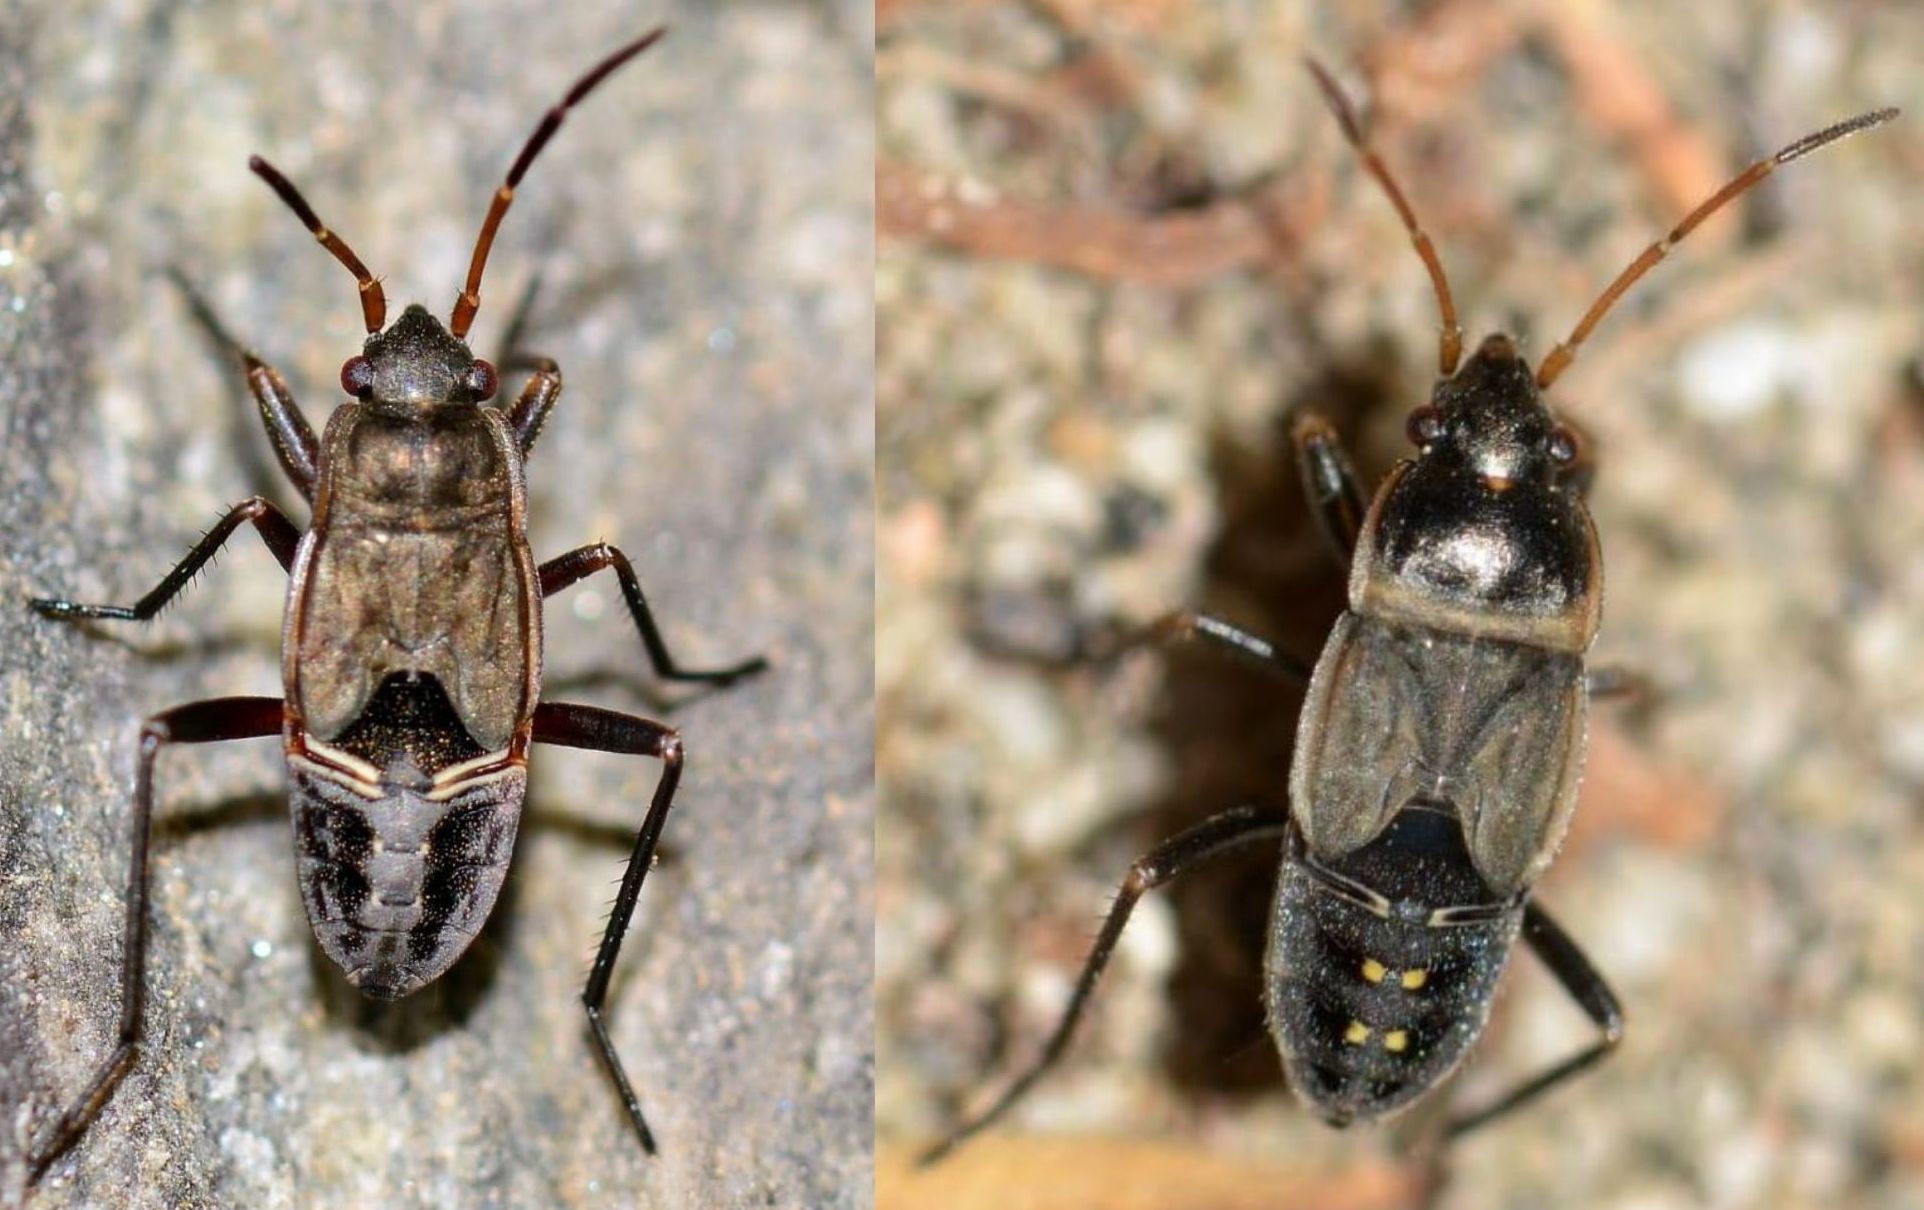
{"x": 1612, "y": 681}
{"x": 1109, "y": 640}
{"x": 1581, "y": 980}
{"x": 1218, "y": 834}
{"x": 517, "y": 328}
{"x": 605, "y": 731}
{"x": 275, "y": 529}
{"x": 530, "y": 409}
{"x": 195, "y": 723}
{"x": 1186, "y": 624}
{"x": 293, "y": 438}
{"x": 563, "y": 570}
{"x": 294, "y": 442}
{"x": 1330, "y": 483}
{"x": 537, "y": 399}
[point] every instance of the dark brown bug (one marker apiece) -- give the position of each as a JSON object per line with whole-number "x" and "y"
{"x": 411, "y": 653}
{"x": 1442, "y": 736}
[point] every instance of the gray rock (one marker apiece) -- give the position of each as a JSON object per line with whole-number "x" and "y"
{"x": 702, "y": 228}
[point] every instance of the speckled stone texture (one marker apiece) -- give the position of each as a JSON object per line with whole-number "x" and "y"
{"x": 1089, "y": 346}
{"x": 703, "y": 231}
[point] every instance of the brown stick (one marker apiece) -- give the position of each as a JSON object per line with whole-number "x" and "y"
{"x": 1174, "y": 250}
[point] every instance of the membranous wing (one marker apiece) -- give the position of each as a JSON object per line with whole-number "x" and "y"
{"x": 420, "y": 568}
{"x": 1398, "y": 713}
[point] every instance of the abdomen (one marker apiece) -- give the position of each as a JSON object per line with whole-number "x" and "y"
{"x": 403, "y": 829}
{"x": 1382, "y": 965}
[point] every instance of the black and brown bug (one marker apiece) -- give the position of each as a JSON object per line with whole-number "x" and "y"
{"x": 1442, "y": 738}
{"x": 411, "y": 653}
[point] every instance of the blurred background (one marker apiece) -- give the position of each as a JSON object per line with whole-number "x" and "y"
{"x": 1120, "y": 242}
{"x": 702, "y": 229}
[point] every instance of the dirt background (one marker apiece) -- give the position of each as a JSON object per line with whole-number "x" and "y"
{"x": 704, "y": 229}
{"x": 1120, "y": 241}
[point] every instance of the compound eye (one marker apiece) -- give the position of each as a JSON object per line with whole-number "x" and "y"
{"x": 1563, "y": 446}
{"x": 357, "y": 377}
{"x": 1425, "y": 426}
{"x": 482, "y": 381}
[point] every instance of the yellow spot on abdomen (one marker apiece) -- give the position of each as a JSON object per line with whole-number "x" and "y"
{"x": 1396, "y": 1041}
{"x": 1357, "y": 1033}
{"x": 1374, "y": 970}
{"x": 1414, "y": 979}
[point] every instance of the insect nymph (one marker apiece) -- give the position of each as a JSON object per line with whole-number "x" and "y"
{"x": 1442, "y": 737}
{"x": 411, "y": 653}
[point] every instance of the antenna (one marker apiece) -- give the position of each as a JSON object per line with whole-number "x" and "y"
{"x": 373, "y": 300}
{"x": 1566, "y": 351}
{"x": 470, "y": 299}
{"x": 1450, "y": 337}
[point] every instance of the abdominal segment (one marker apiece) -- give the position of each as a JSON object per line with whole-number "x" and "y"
{"x": 403, "y": 829}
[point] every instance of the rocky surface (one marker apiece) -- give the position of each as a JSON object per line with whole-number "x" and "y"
{"x": 1121, "y": 243}
{"x": 702, "y": 229}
